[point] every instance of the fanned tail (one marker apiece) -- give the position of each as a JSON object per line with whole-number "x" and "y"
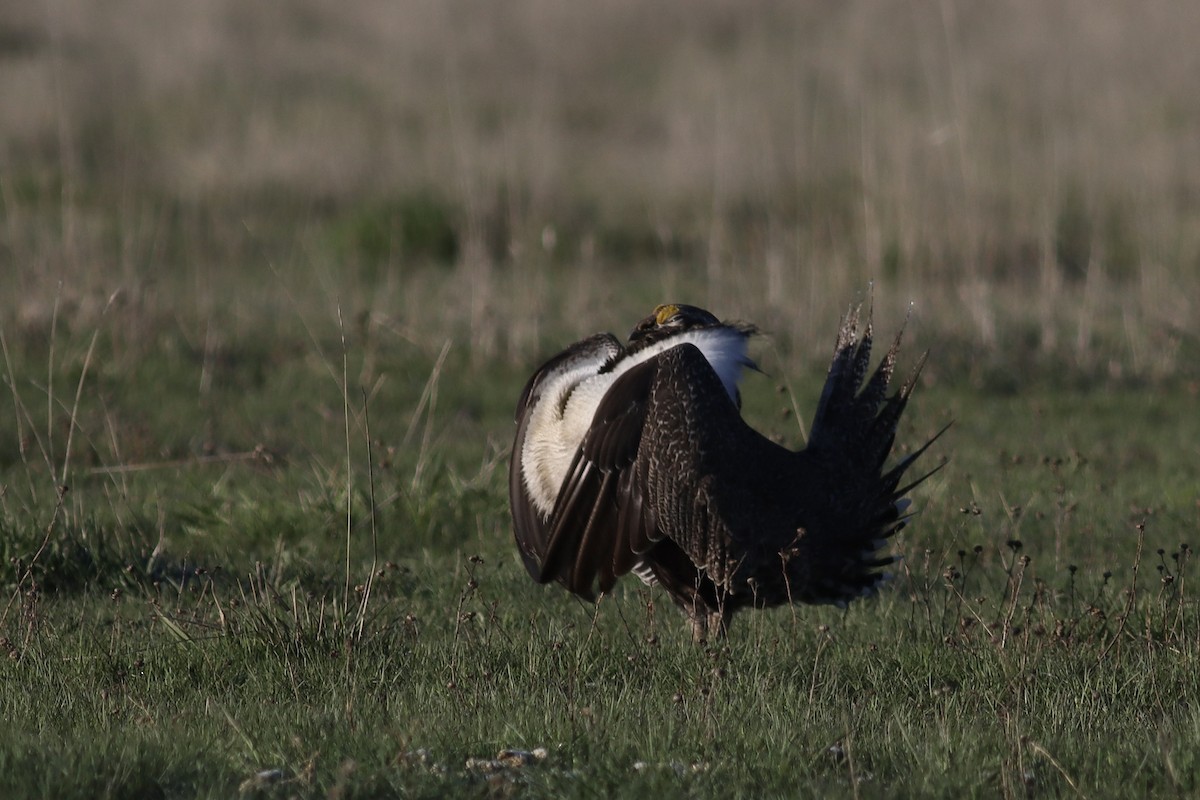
{"x": 857, "y": 504}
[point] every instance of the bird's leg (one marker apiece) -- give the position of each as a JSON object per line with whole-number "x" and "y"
{"x": 707, "y": 624}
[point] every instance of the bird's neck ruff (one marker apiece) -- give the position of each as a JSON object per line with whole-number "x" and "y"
{"x": 723, "y": 345}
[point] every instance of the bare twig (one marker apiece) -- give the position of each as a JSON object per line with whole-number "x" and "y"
{"x": 258, "y": 454}
{"x": 344, "y": 386}
{"x": 1125, "y": 612}
{"x": 366, "y": 595}
{"x": 1044, "y": 753}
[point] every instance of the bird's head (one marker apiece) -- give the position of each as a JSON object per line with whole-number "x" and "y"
{"x": 669, "y": 319}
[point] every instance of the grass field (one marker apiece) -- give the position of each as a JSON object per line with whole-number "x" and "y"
{"x": 271, "y": 280}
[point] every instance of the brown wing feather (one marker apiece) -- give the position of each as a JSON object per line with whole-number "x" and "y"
{"x": 694, "y": 428}
{"x": 598, "y": 518}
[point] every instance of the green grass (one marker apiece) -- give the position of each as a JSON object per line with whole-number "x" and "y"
{"x": 175, "y": 627}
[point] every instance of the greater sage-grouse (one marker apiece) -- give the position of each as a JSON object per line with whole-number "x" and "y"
{"x": 635, "y": 458}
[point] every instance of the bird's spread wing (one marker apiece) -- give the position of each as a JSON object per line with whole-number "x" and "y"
{"x": 601, "y": 520}
{"x": 529, "y": 526}
{"x": 646, "y": 447}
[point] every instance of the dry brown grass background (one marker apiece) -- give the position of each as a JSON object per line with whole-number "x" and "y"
{"x": 1027, "y": 173}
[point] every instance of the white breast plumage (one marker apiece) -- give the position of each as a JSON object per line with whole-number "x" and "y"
{"x": 569, "y": 397}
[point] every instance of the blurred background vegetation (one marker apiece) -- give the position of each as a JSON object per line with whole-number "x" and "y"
{"x": 1026, "y": 173}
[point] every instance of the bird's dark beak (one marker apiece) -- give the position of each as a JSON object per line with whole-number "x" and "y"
{"x": 642, "y": 328}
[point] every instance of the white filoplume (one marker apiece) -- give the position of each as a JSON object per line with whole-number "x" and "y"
{"x": 568, "y": 399}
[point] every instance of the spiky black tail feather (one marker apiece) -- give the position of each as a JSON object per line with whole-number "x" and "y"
{"x": 851, "y": 438}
